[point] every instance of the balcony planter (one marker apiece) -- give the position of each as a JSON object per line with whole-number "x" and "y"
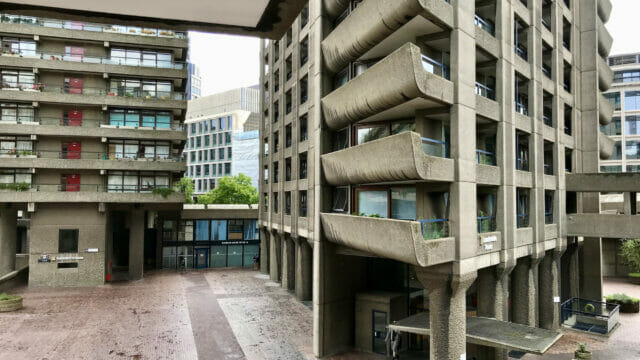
{"x": 627, "y": 304}
{"x": 10, "y": 302}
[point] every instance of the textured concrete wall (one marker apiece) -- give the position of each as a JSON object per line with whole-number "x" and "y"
{"x": 45, "y": 225}
{"x": 8, "y": 225}
{"x": 136, "y": 243}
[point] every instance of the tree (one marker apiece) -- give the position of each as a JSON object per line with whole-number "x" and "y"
{"x": 185, "y": 185}
{"x": 231, "y": 190}
{"x": 630, "y": 250}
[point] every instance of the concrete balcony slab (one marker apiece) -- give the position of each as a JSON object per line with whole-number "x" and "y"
{"x": 601, "y": 225}
{"x": 605, "y": 110}
{"x": 605, "y": 40}
{"x": 605, "y": 75}
{"x": 8, "y": 196}
{"x": 389, "y": 238}
{"x": 604, "y": 182}
{"x": 606, "y": 146}
{"x": 393, "y": 158}
{"x": 92, "y": 164}
{"x": 399, "y": 79}
{"x": 604, "y": 10}
{"x": 373, "y": 21}
{"x": 93, "y": 132}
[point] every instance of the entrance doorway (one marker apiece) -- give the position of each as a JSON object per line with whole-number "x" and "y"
{"x": 379, "y": 332}
{"x": 202, "y": 258}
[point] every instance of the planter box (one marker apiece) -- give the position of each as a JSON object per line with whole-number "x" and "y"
{"x": 11, "y": 305}
{"x": 627, "y": 308}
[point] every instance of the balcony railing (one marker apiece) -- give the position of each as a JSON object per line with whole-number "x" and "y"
{"x": 521, "y": 51}
{"x": 57, "y": 121}
{"x": 522, "y": 164}
{"x": 21, "y": 86}
{"x": 486, "y": 157}
{"x": 546, "y": 70}
{"x": 435, "y": 147}
{"x": 434, "y": 228}
{"x": 435, "y": 67}
{"x": 486, "y": 25}
{"x": 548, "y": 169}
{"x": 137, "y": 93}
{"x": 484, "y": 90}
{"x": 589, "y": 315}
{"x": 90, "y": 155}
{"x": 523, "y": 220}
{"x": 522, "y": 109}
{"x": 548, "y": 218}
{"x": 547, "y": 120}
{"x": 26, "y": 187}
{"x": 86, "y": 26}
{"x": 486, "y": 224}
{"x": 106, "y": 60}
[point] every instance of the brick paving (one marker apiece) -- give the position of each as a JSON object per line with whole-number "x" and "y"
{"x": 213, "y": 314}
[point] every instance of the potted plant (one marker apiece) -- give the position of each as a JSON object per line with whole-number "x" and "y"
{"x": 10, "y": 302}
{"x": 582, "y": 353}
{"x": 627, "y": 304}
{"x": 630, "y": 251}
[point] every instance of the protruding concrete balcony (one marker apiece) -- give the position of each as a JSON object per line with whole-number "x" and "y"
{"x": 604, "y": 10}
{"x": 335, "y": 7}
{"x": 606, "y": 110}
{"x": 605, "y": 75}
{"x": 606, "y": 146}
{"x": 601, "y": 225}
{"x": 389, "y": 238}
{"x": 85, "y": 193}
{"x": 373, "y": 21}
{"x": 605, "y": 40}
{"x": 402, "y": 81}
{"x": 90, "y": 161}
{"x": 401, "y": 157}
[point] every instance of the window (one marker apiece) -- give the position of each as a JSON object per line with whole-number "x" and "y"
{"x": 522, "y": 151}
{"x": 265, "y": 201}
{"x": 612, "y": 168}
{"x": 303, "y": 203}
{"x": 340, "y": 139}
{"x": 304, "y": 51}
{"x": 287, "y": 169}
{"x": 304, "y": 16}
{"x": 18, "y": 79}
{"x": 614, "y": 99}
{"x": 16, "y": 112}
{"x": 68, "y": 241}
{"x": 340, "y": 199}
{"x": 276, "y": 142}
{"x": 372, "y": 202}
{"x": 303, "y": 165}
{"x": 632, "y": 100}
{"x": 615, "y": 127}
{"x": 141, "y": 88}
{"x": 522, "y": 207}
{"x": 287, "y": 136}
{"x": 276, "y": 171}
{"x": 632, "y": 150}
{"x": 304, "y": 89}
{"x": 626, "y": 76}
{"x": 289, "y": 36}
{"x": 227, "y": 169}
{"x": 221, "y": 154}
{"x": 520, "y": 39}
{"x": 368, "y": 133}
{"x": 548, "y": 207}
{"x": 403, "y": 203}
{"x": 22, "y": 47}
{"x": 302, "y": 124}
{"x": 275, "y": 202}
{"x": 218, "y": 230}
{"x": 288, "y": 102}
{"x": 145, "y": 118}
{"x": 287, "y": 203}
{"x": 228, "y": 153}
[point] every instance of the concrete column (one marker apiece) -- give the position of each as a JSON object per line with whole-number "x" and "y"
{"x": 630, "y": 203}
{"x": 574, "y": 271}
{"x": 591, "y": 269}
{"x": 447, "y": 311}
{"x": 264, "y": 251}
{"x": 288, "y": 263}
{"x": 304, "y": 270}
{"x": 549, "y": 289}
{"x": 493, "y": 298}
{"x": 136, "y": 244}
{"x": 8, "y": 225}
{"x": 524, "y": 299}
{"x": 274, "y": 257}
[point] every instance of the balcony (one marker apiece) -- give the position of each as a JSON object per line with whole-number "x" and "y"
{"x": 86, "y": 193}
{"x": 374, "y": 20}
{"x": 335, "y": 7}
{"x": 605, "y": 75}
{"x": 486, "y": 224}
{"x": 484, "y": 90}
{"x": 604, "y": 10}
{"x": 86, "y": 26}
{"x": 389, "y": 238}
{"x": 402, "y": 82}
{"x": 485, "y": 25}
{"x": 605, "y": 40}
{"x": 485, "y": 157}
{"x": 605, "y": 110}
{"x": 401, "y": 157}
{"x": 606, "y": 145}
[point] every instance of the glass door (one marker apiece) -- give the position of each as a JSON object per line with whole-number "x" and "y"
{"x": 379, "y": 332}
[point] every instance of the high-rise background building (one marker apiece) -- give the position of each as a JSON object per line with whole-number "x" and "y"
{"x": 194, "y": 82}
{"x": 431, "y": 156}
{"x": 222, "y": 137}
{"x": 91, "y": 131}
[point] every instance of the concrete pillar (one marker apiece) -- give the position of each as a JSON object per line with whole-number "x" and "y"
{"x": 264, "y": 251}
{"x": 8, "y": 225}
{"x": 136, "y": 244}
{"x": 447, "y": 311}
{"x": 304, "y": 270}
{"x": 549, "y": 289}
{"x": 493, "y": 302}
{"x": 524, "y": 299}
{"x": 288, "y": 263}
{"x": 574, "y": 271}
{"x": 630, "y": 203}
{"x": 274, "y": 257}
{"x": 591, "y": 269}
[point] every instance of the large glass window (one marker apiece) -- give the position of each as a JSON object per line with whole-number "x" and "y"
{"x": 372, "y": 202}
{"x": 403, "y": 203}
{"x": 615, "y": 127}
{"x": 22, "y": 47}
{"x": 202, "y": 230}
{"x": 617, "y": 151}
{"x": 370, "y": 133}
{"x": 235, "y": 229}
{"x": 218, "y": 230}
{"x": 16, "y": 112}
{"x": 626, "y": 76}
{"x": 614, "y": 99}
{"x": 633, "y": 149}
{"x": 632, "y": 124}
{"x": 632, "y": 100}
{"x": 68, "y": 241}
{"x": 251, "y": 231}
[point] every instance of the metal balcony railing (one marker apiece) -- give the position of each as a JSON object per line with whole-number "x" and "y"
{"x": 521, "y": 51}
{"x": 486, "y": 224}
{"x": 435, "y": 67}
{"x": 486, "y": 25}
{"x": 548, "y": 217}
{"x": 486, "y": 157}
{"x": 523, "y": 220}
{"x": 484, "y": 90}
{"x": 87, "y": 26}
{"x": 522, "y": 109}
{"x": 522, "y": 164}
{"x": 89, "y": 155}
{"x": 548, "y": 169}
{"x": 434, "y": 228}
{"x": 91, "y": 59}
{"x": 434, "y": 147}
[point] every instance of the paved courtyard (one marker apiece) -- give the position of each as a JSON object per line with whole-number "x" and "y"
{"x": 215, "y": 314}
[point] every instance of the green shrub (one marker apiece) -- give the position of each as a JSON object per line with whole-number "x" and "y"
{"x": 23, "y": 186}
{"x": 622, "y": 298}
{"x": 630, "y": 251}
{"x": 162, "y": 191}
{"x": 5, "y": 297}
{"x": 634, "y": 275}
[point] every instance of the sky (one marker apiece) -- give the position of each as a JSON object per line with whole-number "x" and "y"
{"x": 622, "y": 26}
{"x": 227, "y": 62}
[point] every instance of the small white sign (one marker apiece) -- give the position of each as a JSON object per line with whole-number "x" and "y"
{"x": 463, "y": 356}
{"x": 66, "y": 258}
{"x": 556, "y": 299}
{"x": 488, "y": 247}
{"x": 488, "y": 239}
{"x": 92, "y": 250}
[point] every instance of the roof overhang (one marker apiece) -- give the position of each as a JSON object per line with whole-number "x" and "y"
{"x": 263, "y": 18}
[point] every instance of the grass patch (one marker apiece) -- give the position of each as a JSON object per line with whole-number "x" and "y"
{"x": 634, "y": 275}
{"x": 622, "y": 298}
{"x": 6, "y": 297}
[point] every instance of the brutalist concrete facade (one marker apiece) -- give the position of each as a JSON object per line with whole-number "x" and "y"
{"x": 422, "y": 147}
{"x": 92, "y": 123}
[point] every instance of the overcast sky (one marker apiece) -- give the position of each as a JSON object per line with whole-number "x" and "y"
{"x": 227, "y": 62}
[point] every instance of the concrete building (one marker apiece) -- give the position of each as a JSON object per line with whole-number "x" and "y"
{"x": 91, "y": 127}
{"x": 222, "y": 137}
{"x": 194, "y": 82}
{"x": 424, "y": 156}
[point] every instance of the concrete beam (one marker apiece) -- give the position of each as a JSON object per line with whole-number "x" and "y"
{"x": 605, "y": 182}
{"x": 8, "y": 225}
{"x": 603, "y": 225}
{"x": 136, "y": 244}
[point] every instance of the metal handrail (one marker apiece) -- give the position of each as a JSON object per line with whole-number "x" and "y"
{"x": 435, "y": 147}
{"x": 521, "y": 51}
{"x": 523, "y": 220}
{"x": 432, "y": 66}
{"x": 484, "y": 90}
{"x": 83, "y": 90}
{"x": 486, "y": 224}
{"x": 434, "y": 228}
{"x": 485, "y": 157}
{"x": 88, "y": 26}
{"x": 485, "y": 24}
{"x": 91, "y": 59}
{"x": 57, "y": 121}
{"x": 92, "y": 155}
